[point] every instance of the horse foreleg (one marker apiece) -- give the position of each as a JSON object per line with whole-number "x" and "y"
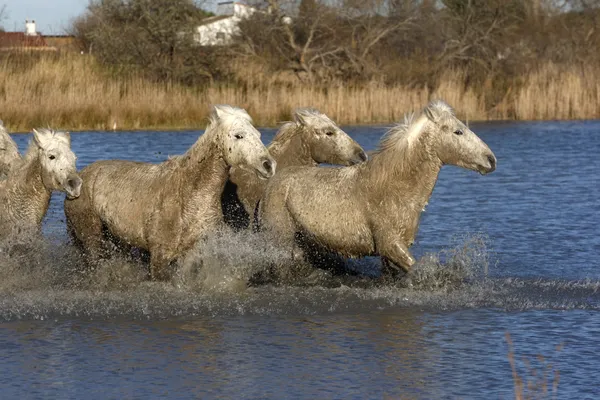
{"x": 395, "y": 258}
{"x": 87, "y": 233}
{"x": 159, "y": 265}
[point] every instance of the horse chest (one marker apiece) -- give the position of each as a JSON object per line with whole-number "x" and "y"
{"x": 199, "y": 217}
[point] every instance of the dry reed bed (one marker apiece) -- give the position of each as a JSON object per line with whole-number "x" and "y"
{"x": 73, "y": 92}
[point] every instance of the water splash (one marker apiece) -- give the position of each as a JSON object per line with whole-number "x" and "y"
{"x": 226, "y": 262}
{"x": 467, "y": 260}
{"x": 44, "y": 279}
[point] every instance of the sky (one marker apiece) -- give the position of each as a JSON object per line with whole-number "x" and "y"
{"x": 52, "y": 17}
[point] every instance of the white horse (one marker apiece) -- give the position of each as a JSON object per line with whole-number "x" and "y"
{"x": 312, "y": 138}
{"x": 9, "y": 152}
{"x": 48, "y": 165}
{"x": 166, "y": 208}
{"x": 373, "y": 208}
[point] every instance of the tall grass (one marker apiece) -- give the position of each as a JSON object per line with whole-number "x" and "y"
{"x": 74, "y": 92}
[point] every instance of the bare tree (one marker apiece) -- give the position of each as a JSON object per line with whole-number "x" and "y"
{"x": 156, "y": 36}
{"x": 321, "y": 41}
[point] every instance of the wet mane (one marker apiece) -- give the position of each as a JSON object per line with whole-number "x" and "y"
{"x": 309, "y": 118}
{"x": 221, "y": 117}
{"x": 395, "y": 134}
{"x": 287, "y": 131}
{"x": 405, "y": 132}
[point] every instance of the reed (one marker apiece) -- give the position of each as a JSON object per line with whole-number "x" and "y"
{"x": 542, "y": 375}
{"x": 559, "y": 92}
{"x": 73, "y": 92}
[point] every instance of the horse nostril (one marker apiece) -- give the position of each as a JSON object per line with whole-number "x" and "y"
{"x": 267, "y": 165}
{"x": 363, "y": 156}
{"x": 492, "y": 161}
{"x": 73, "y": 182}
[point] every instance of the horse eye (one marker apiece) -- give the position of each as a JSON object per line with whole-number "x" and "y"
{"x": 458, "y": 132}
{"x": 52, "y": 157}
{"x": 329, "y": 133}
{"x": 238, "y": 136}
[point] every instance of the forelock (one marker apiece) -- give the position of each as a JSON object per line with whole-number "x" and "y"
{"x": 51, "y": 138}
{"x": 439, "y": 110}
{"x": 229, "y": 115}
{"x": 313, "y": 118}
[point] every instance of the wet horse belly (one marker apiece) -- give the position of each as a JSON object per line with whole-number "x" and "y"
{"x": 343, "y": 236}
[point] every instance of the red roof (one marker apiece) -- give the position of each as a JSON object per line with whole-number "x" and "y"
{"x": 19, "y": 39}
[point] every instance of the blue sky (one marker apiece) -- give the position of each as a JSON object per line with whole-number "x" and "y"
{"x": 51, "y": 16}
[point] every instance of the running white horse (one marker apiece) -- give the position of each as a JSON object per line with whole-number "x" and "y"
{"x": 373, "y": 208}
{"x": 165, "y": 208}
{"x": 311, "y": 139}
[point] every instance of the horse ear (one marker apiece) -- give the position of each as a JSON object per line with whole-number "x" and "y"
{"x": 39, "y": 138}
{"x": 432, "y": 114}
{"x": 299, "y": 118}
{"x": 306, "y": 116}
{"x": 438, "y": 110}
{"x": 218, "y": 112}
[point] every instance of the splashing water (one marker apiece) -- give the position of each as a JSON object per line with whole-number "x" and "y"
{"x": 42, "y": 279}
{"x": 466, "y": 261}
{"x": 226, "y": 262}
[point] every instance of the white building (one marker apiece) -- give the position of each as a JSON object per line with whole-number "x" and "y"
{"x": 219, "y": 30}
{"x": 30, "y": 29}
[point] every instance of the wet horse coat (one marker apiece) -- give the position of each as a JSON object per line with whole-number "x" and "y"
{"x": 9, "y": 153}
{"x": 165, "y": 208}
{"x": 48, "y": 165}
{"x": 312, "y": 138}
{"x": 373, "y": 208}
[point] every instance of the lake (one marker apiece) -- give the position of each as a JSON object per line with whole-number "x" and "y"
{"x": 521, "y": 247}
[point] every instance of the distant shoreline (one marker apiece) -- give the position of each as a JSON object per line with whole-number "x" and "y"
{"x": 382, "y": 125}
{"x": 73, "y": 92}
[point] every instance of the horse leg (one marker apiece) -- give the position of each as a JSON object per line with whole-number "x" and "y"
{"x": 395, "y": 258}
{"x": 87, "y": 232}
{"x": 160, "y": 260}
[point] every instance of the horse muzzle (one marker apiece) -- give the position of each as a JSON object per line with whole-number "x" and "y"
{"x": 359, "y": 157}
{"x": 267, "y": 168}
{"x": 73, "y": 187}
{"x": 489, "y": 165}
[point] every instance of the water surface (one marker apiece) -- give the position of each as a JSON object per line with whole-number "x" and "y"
{"x": 537, "y": 277}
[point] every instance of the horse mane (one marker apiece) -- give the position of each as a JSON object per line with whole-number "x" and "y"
{"x": 395, "y": 134}
{"x": 5, "y": 137}
{"x": 398, "y": 151}
{"x": 222, "y": 115}
{"x": 287, "y": 131}
{"x": 302, "y": 117}
{"x": 405, "y": 132}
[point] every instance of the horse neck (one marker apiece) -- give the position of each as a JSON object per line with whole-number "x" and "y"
{"x": 291, "y": 150}
{"x": 27, "y": 187}
{"x": 411, "y": 172}
{"x": 203, "y": 166}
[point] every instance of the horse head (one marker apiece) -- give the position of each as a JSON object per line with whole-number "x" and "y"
{"x": 326, "y": 141}
{"x": 57, "y": 161}
{"x": 240, "y": 141}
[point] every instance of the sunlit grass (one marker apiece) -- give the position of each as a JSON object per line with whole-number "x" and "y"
{"x": 73, "y": 92}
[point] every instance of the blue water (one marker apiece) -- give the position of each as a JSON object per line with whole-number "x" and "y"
{"x": 537, "y": 277}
